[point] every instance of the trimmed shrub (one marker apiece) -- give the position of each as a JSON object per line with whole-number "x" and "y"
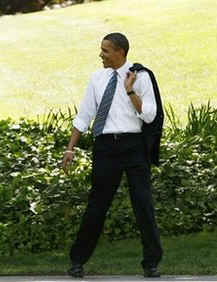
{"x": 26, "y": 6}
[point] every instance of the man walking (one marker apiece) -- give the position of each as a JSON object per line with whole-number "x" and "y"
{"x": 119, "y": 101}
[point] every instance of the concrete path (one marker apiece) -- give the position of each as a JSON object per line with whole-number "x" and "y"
{"x": 104, "y": 278}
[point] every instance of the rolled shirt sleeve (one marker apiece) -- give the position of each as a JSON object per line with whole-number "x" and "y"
{"x": 87, "y": 109}
{"x": 144, "y": 89}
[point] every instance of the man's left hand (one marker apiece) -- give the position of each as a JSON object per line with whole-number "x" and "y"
{"x": 129, "y": 81}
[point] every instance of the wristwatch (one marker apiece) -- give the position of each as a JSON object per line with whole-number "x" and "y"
{"x": 130, "y": 93}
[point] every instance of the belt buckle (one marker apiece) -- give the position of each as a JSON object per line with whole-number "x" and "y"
{"x": 116, "y": 136}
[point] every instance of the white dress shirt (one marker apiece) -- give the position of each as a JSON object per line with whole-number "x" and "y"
{"x": 122, "y": 116}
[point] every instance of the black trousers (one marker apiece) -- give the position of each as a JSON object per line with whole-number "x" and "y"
{"x": 112, "y": 155}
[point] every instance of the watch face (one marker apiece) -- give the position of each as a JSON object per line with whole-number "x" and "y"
{"x": 130, "y": 93}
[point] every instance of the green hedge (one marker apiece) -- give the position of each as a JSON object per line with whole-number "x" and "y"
{"x": 41, "y": 207}
{"x": 186, "y": 186}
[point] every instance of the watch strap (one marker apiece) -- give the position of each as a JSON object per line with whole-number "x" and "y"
{"x": 130, "y": 93}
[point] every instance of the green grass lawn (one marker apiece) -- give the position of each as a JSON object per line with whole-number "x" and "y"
{"x": 183, "y": 255}
{"x": 46, "y": 58}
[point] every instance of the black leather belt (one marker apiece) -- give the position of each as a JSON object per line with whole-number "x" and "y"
{"x": 118, "y": 136}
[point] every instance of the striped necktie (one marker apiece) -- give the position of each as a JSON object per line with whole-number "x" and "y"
{"x": 105, "y": 105}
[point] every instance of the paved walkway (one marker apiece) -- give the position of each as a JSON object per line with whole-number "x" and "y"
{"x": 104, "y": 278}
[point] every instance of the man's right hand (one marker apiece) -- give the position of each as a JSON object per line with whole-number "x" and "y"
{"x": 70, "y": 151}
{"x": 67, "y": 160}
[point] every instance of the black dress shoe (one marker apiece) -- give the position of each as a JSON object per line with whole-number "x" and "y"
{"x": 151, "y": 272}
{"x": 76, "y": 271}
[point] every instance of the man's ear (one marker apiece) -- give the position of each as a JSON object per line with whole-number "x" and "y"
{"x": 122, "y": 52}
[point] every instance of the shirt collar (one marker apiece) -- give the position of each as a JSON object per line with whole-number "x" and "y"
{"x": 123, "y": 70}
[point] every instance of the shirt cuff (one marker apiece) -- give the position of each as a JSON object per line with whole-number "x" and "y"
{"x": 80, "y": 125}
{"x": 148, "y": 113}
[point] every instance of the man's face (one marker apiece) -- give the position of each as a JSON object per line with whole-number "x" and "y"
{"x": 110, "y": 55}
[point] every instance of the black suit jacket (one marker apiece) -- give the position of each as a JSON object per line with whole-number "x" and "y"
{"x": 152, "y": 132}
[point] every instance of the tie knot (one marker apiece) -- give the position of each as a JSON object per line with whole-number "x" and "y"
{"x": 115, "y": 73}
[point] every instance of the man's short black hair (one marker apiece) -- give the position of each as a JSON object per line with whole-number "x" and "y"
{"x": 119, "y": 40}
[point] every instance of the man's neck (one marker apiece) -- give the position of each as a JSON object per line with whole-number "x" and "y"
{"x": 120, "y": 64}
